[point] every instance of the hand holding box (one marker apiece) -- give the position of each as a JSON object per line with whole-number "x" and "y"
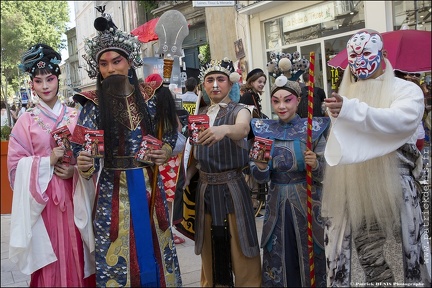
{"x": 62, "y": 137}
{"x": 148, "y": 144}
{"x": 197, "y": 124}
{"x": 261, "y": 148}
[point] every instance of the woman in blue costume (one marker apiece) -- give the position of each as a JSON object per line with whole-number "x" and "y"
{"x": 133, "y": 243}
{"x": 284, "y": 237}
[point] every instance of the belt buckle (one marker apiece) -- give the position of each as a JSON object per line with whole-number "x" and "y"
{"x": 211, "y": 178}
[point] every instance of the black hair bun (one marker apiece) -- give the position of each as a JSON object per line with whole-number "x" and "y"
{"x": 101, "y": 24}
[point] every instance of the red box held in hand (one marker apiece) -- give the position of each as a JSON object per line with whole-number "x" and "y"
{"x": 148, "y": 144}
{"x": 260, "y": 151}
{"x": 94, "y": 142}
{"x": 62, "y": 136}
{"x": 197, "y": 124}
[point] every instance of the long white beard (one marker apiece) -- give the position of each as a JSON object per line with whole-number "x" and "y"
{"x": 369, "y": 191}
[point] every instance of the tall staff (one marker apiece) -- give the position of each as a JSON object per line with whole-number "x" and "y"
{"x": 171, "y": 29}
{"x": 309, "y": 168}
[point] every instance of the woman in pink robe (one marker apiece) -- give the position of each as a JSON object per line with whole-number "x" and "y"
{"x": 44, "y": 240}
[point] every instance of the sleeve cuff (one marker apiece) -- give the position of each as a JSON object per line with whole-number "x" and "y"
{"x": 87, "y": 174}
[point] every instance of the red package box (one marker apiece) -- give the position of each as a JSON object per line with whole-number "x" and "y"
{"x": 148, "y": 143}
{"x": 260, "y": 151}
{"x": 197, "y": 124}
{"x": 62, "y": 138}
{"x": 94, "y": 142}
{"x": 78, "y": 134}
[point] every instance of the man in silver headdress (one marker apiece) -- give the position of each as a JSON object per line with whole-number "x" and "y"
{"x": 225, "y": 229}
{"x": 132, "y": 239}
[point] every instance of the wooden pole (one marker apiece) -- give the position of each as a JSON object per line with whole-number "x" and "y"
{"x": 309, "y": 169}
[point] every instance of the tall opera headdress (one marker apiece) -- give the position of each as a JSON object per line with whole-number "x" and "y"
{"x": 40, "y": 57}
{"x": 225, "y": 66}
{"x": 110, "y": 38}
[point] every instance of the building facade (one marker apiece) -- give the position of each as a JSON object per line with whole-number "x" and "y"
{"x": 322, "y": 27}
{"x": 261, "y": 27}
{"x": 124, "y": 15}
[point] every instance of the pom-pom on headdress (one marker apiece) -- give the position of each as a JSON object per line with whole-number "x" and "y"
{"x": 110, "y": 38}
{"x": 290, "y": 65}
{"x": 282, "y": 82}
{"x": 154, "y": 80}
{"x": 225, "y": 66}
{"x": 42, "y": 57}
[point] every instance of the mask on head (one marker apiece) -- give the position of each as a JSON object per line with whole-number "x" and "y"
{"x": 364, "y": 53}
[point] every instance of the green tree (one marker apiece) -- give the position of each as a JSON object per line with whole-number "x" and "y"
{"x": 24, "y": 23}
{"x": 204, "y": 50}
{"x": 148, "y": 5}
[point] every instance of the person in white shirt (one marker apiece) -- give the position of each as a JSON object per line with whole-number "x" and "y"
{"x": 23, "y": 109}
{"x": 4, "y": 116}
{"x": 190, "y": 95}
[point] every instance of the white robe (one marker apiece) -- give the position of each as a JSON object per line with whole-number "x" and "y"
{"x": 361, "y": 132}
{"x": 30, "y": 246}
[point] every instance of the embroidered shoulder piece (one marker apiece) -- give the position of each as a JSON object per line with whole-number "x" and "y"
{"x": 83, "y": 97}
{"x": 147, "y": 90}
{"x": 296, "y": 129}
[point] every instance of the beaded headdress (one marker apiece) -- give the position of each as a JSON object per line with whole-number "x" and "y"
{"x": 225, "y": 66}
{"x": 40, "y": 56}
{"x": 282, "y": 82}
{"x": 110, "y": 38}
{"x": 290, "y": 65}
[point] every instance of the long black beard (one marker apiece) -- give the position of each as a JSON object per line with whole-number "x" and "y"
{"x": 113, "y": 129}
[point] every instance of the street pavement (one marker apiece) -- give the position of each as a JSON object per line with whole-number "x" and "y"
{"x": 190, "y": 264}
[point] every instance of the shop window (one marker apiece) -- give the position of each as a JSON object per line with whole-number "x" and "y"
{"x": 326, "y": 19}
{"x": 332, "y": 48}
{"x": 286, "y": 34}
{"x": 412, "y": 15}
{"x": 273, "y": 34}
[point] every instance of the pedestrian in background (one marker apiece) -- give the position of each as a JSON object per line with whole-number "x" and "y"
{"x": 190, "y": 94}
{"x": 44, "y": 240}
{"x": 370, "y": 191}
{"x": 22, "y": 109}
{"x": 318, "y": 99}
{"x": 284, "y": 237}
{"x": 4, "y": 116}
{"x": 254, "y": 87}
{"x": 133, "y": 242}
{"x": 225, "y": 229}
{"x": 420, "y": 128}
{"x": 14, "y": 114}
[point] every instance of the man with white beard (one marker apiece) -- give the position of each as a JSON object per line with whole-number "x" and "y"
{"x": 369, "y": 187}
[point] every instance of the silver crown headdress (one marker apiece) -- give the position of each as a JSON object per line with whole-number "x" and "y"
{"x": 290, "y": 65}
{"x": 110, "y": 38}
{"x": 223, "y": 66}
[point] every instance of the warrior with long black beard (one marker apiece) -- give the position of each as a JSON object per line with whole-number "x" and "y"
{"x": 132, "y": 240}
{"x": 369, "y": 186}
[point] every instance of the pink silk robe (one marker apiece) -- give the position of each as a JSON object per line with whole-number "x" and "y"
{"x": 44, "y": 239}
